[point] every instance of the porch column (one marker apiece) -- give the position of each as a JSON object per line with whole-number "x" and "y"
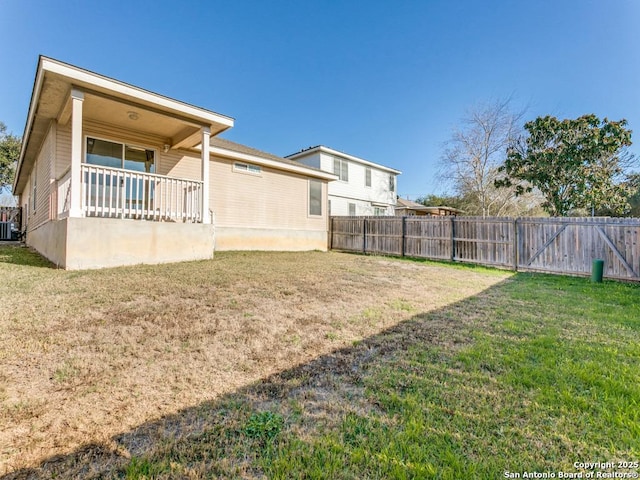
{"x": 75, "y": 200}
{"x": 206, "y": 134}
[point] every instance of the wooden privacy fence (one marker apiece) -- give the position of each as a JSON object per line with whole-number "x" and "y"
{"x": 552, "y": 245}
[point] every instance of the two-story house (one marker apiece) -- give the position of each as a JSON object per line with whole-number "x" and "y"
{"x": 363, "y": 187}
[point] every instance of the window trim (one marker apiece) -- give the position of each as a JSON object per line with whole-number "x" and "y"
{"x": 344, "y": 168}
{"x": 34, "y": 187}
{"x": 156, "y": 157}
{"x": 247, "y": 171}
{"x": 309, "y": 183}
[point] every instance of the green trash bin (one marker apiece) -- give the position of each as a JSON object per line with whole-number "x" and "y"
{"x": 596, "y": 270}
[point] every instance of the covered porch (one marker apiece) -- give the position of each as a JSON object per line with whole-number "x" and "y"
{"x": 111, "y": 174}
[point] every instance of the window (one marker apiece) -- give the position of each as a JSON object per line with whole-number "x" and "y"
{"x": 34, "y": 186}
{"x": 315, "y": 197}
{"x": 341, "y": 168}
{"x": 247, "y": 168}
{"x": 392, "y": 183}
{"x": 367, "y": 177}
{"x": 378, "y": 211}
{"x": 352, "y": 209}
{"x": 119, "y": 155}
{"x": 112, "y": 187}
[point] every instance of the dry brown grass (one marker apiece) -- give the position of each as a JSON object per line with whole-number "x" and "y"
{"x": 86, "y": 356}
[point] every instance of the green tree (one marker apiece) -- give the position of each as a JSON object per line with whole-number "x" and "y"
{"x": 9, "y": 155}
{"x": 634, "y": 195}
{"x": 575, "y": 164}
{"x": 433, "y": 200}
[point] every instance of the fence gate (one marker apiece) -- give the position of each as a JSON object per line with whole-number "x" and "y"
{"x": 569, "y": 245}
{"x": 10, "y": 219}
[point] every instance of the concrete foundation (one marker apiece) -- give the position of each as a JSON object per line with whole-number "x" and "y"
{"x": 86, "y": 243}
{"x": 230, "y": 238}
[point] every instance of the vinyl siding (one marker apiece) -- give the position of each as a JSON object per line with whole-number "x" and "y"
{"x": 63, "y": 149}
{"x": 313, "y": 161}
{"x": 340, "y": 206}
{"x": 355, "y": 188}
{"x": 117, "y": 134}
{"x": 273, "y": 199}
{"x": 180, "y": 164}
{"x": 43, "y": 176}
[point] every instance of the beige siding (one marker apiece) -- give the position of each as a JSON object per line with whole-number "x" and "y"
{"x": 180, "y": 164}
{"x": 63, "y": 149}
{"x": 42, "y": 174}
{"x": 25, "y": 203}
{"x": 122, "y": 135}
{"x": 273, "y": 199}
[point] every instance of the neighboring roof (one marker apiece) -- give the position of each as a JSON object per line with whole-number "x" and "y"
{"x": 321, "y": 148}
{"x": 50, "y": 98}
{"x": 402, "y": 204}
{"x": 227, "y": 148}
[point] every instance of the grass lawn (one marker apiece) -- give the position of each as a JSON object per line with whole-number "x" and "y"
{"x": 312, "y": 365}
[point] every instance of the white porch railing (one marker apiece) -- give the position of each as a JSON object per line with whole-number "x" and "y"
{"x": 118, "y": 193}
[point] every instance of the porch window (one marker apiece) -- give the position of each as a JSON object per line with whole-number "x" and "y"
{"x": 120, "y": 155}
{"x": 134, "y": 192}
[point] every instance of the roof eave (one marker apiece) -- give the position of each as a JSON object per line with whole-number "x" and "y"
{"x": 331, "y": 151}
{"x": 302, "y": 170}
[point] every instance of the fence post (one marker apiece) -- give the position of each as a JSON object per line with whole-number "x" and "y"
{"x": 331, "y": 219}
{"x": 404, "y": 233}
{"x": 515, "y": 244}
{"x": 453, "y": 238}
{"x": 364, "y": 235}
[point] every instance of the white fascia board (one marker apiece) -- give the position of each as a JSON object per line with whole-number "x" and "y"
{"x": 37, "y": 86}
{"x": 302, "y": 170}
{"x": 331, "y": 151}
{"x": 84, "y": 76}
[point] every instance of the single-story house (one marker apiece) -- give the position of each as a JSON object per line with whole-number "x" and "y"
{"x": 111, "y": 174}
{"x": 406, "y": 208}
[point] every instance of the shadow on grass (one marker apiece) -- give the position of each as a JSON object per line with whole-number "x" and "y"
{"x": 18, "y": 253}
{"x": 213, "y": 436}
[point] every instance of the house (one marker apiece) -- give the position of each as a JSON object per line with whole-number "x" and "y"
{"x": 111, "y": 174}
{"x": 405, "y": 208}
{"x": 363, "y": 187}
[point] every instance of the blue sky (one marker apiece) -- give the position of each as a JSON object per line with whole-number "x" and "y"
{"x": 383, "y": 80}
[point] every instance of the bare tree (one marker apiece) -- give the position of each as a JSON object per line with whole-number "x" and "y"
{"x": 473, "y": 154}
